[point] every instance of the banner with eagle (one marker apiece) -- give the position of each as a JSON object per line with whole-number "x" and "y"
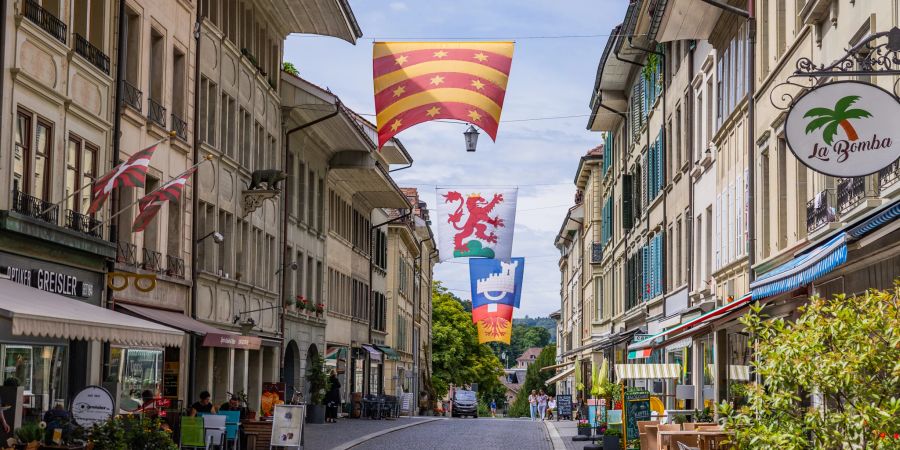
{"x": 476, "y": 222}
{"x": 494, "y": 322}
{"x": 418, "y": 82}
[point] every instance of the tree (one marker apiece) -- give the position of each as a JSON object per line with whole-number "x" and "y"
{"x": 831, "y": 119}
{"x": 830, "y": 380}
{"x": 458, "y": 358}
{"x": 534, "y": 381}
{"x": 523, "y": 337}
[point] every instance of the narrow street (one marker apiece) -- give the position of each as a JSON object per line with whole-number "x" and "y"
{"x": 466, "y": 434}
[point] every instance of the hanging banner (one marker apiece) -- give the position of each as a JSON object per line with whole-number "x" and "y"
{"x": 496, "y": 281}
{"x": 418, "y": 82}
{"x": 845, "y": 129}
{"x": 476, "y": 222}
{"x": 494, "y": 322}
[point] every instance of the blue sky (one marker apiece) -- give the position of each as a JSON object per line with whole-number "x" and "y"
{"x": 549, "y": 78}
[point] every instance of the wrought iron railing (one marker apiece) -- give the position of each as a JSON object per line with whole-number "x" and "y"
{"x": 850, "y": 192}
{"x": 92, "y": 54}
{"x": 156, "y": 112}
{"x": 596, "y": 252}
{"x": 179, "y": 127}
{"x": 46, "y": 20}
{"x": 84, "y": 224}
{"x": 35, "y": 207}
{"x": 174, "y": 266}
{"x": 132, "y": 96}
{"x": 820, "y": 211}
{"x": 152, "y": 260}
{"x": 126, "y": 253}
{"x": 889, "y": 175}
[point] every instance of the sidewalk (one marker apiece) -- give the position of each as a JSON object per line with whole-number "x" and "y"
{"x": 565, "y": 429}
{"x": 347, "y": 431}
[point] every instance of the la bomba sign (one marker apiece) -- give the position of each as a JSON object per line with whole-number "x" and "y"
{"x": 845, "y": 129}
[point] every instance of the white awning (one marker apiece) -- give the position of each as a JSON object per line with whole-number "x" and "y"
{"x": 559, "y": 376}
{"x": 34, "y": 312}
{"x": 647, "y": 371}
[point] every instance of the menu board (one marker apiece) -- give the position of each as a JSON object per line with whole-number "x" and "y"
{"x": 287, "y": 425}
{"x": 637, "y": 408}
{"x": 170, "y": 379}
{"x": 564, "y": 406}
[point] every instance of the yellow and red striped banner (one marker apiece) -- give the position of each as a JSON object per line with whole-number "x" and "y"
{"x": 417, "y": 82}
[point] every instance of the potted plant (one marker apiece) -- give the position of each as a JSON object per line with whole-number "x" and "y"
{"x": 612, "y": 439}
{"x": 584, "y": 427}
{"x": 310, "y": 307}
{"x": 318, "y": 383}
{"x": 320, "y": 308}
{"x": 29, "y": 436}
{"x": 301, "y": 303}
{"x": 704, "y": 416}
{"x": 132, "y": 433}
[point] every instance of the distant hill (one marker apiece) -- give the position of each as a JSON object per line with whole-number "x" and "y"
{"x": 544, "y": 322}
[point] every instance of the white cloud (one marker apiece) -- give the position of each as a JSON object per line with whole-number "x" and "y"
{"x": 398, "y": 6}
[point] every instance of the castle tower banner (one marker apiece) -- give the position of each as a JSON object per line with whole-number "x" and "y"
{"x": 475, "y": 222}
{"x": 494, "y": 322}
{"x": 496, "y": 281}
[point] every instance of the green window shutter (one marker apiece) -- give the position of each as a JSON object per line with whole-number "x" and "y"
{"x": 627, "y": 203}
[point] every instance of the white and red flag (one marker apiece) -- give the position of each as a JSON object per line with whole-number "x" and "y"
{"x": 131, "y": 173}
{"x": 475, "y": 222}
{"x": 150, "y": 204}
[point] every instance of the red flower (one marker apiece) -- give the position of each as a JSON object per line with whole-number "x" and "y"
{"x": 896, "y": 435}
{"x": 882, "y": 435}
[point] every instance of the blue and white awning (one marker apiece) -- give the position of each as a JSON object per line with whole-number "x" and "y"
{"x": 881, "y": 218}
{"x": 802, "y": 269}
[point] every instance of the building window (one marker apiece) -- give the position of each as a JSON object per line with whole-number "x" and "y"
{"x": 43, "y": 158}
{"x": 782, "y": 193}
{"x": 41, "y": 370}
{"x": 81, "y": 170}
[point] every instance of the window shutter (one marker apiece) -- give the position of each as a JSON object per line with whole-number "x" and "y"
{"x": 644, "y": 107}
{"x": 645, "y": 186}
{"x": 627, "y": 205}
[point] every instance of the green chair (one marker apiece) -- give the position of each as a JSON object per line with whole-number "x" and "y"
{"x": 192, "y": 433}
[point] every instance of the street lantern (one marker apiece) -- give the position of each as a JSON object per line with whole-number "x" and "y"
{"x": 471, "y": 138}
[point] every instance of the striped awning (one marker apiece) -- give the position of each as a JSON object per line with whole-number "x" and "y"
{"x": 639, "y": 354}
{"x": 739, "y": 373}
{"x": 656, "y": 339}
{"x": 560, "y": 376}
{"x": 880, "y": 218}
{"x": 803, "y": 269}
{"x": 647, "y": 371}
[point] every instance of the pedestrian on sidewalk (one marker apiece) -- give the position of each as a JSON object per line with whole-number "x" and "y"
{"x": 551, "y": 408}
{"x": 332, "y": 398}
{"x": 542, "y": 405}
{"x": 533, "y": 404}
{"x": 493, "y": 408}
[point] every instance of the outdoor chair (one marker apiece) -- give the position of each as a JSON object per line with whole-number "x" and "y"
{"x": 192, "y": 435}
{"x": 214, "y": 425}
{"x": 232, "y": 428}
{"x": 669, "y": 427}
{"x": 652, "y": 434}
{"x": 684, "y": 442}
{"x": 642, "y": 425}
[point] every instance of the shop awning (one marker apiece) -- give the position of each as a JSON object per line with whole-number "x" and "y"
{"x": 616, "y": 339}
{"x": 674, "y": 332}
{"x": 560, "y": 376}
{"x": 34, "y": 312}
{"x": 335, "y": 352}
{"x": 555, "y": 366}
{"x": 374, "y": 354}
{"x": 640, "y": 354}
{"x": 803, "y": 269}
{"x": 389, "y": 352}
{"x": 647, "y": 371}
{"x": 879, "y": 218}
{"x": 172, "y": 319}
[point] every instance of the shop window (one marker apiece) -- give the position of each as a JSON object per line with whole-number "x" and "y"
{"x": 707, "y": 373}
{"x": 136, "y": 370}
{"x": 41, "y": 370}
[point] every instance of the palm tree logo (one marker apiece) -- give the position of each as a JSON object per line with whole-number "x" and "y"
{"x": 840, "y": 116}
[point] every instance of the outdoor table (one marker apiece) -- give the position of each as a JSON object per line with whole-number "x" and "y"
{"x": 715, "y": 439}
{"x": 662, "y": 437}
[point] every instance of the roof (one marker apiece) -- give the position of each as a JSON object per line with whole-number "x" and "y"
{"x": 530, "y": 354}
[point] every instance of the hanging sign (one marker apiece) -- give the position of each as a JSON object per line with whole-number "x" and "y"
{"x": 845, "y": 129}
{"x": 496, "y": 281}
{"x": 91, "y": 406}
{"x": 476, "y": 222}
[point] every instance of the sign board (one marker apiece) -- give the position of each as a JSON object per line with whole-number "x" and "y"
{"x": 91, "y": 406}
{"x": 564, "y": 406}
{"x": 845, "y": 129}
{"x": 272, "y": 395}
{"x": 232, "y": 341}
{"x": 287, "y": 425}
{"x": 50, "y": 281}
{"x": 636, "y": 408}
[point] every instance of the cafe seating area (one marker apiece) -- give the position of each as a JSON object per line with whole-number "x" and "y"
{"x": 688, "y": 436}
{"x": 380, "y": 407}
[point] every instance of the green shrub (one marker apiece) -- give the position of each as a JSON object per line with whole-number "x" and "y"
{"x": 132, "y": 433}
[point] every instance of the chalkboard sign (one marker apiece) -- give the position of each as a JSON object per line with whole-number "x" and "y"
{"x": 563, "y": 406}
{"x": 637, "y": 408}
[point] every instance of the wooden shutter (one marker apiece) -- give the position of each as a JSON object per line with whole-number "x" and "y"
{"x": 627, "y": 203}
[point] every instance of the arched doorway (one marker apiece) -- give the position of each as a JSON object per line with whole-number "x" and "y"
{"x": 292, "y": 373}
{"x": 311, "y": 353}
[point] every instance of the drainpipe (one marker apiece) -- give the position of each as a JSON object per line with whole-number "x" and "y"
{"x": 195, "y": 218}
{"x": 284, "y": 218}
{"x": 689, "y": 224}
{"x": 3, "y": 17}
{"x": 751, "y": 140}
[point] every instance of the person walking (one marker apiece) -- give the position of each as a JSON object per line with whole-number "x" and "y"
{"x": 542, "y": 405}
{"x": 551, "y": 408}
{"x": 533, "y": 404}
{"x": 332, "y": 398}
{"x": 493, "y": 408}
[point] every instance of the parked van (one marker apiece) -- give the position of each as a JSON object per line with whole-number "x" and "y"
{"x": 465, "y": 403}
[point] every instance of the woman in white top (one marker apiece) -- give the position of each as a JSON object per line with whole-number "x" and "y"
{"x": 533, "y": 404}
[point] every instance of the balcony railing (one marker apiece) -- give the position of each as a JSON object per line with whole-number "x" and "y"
{"x": 596, "y": 252}
{"x": 156, "y": 113}
{"x": 84, "y": 224}
{"x": 889, "y": 175}
{"x": 820, "y": 211}
{"x": 179, "y": 127}
{"x": 126, "y": 253}
{"x": 152, "y": 260}
{"x": 850, "y": 192}
{"x": 35, "y": 207}
{"x": 93, "y": 54}
{"x": 132, "y": 96}
{"x": 46, "y": 20}
{"x": 174, "y": 266}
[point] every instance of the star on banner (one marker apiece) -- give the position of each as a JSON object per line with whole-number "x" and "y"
{"x": 437, "y": 80}
{"x": 401, "y": 60}
{"x": 396, "y": 125}
{"x": 440, "y": 54}
{"x": 477, "y": 84}
{"x": 433, "y": 111}
{"x": 474, "y": 115}
{"x": 481, "y": 57}
{"x": 399, "y": 91}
